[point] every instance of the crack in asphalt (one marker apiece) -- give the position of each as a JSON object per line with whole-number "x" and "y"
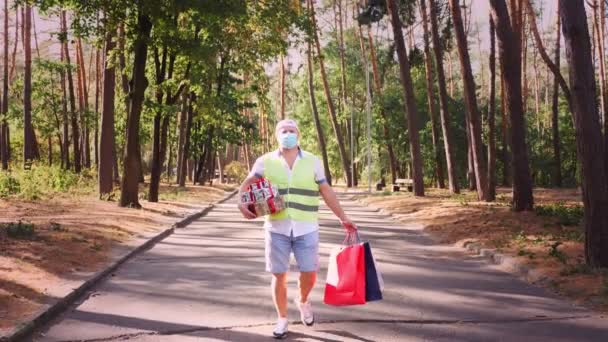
{"x": 125, "y": 337}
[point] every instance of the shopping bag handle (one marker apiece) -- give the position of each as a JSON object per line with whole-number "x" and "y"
{"x": 352, "y": 238}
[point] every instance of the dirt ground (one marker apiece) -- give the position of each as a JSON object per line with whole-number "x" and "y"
{"x": 74, "y": 234}
{"x": 541, "y": 242}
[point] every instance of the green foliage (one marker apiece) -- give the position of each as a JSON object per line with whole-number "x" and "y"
{"x": 9, "y": 185}
{"x": 567, "y": 215}
{"x": 237, "y": 171}
{"x": 20, "y": 230}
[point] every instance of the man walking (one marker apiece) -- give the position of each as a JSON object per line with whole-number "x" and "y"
{"x": 300, "y": 178}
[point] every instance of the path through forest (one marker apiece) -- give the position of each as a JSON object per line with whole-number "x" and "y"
{"x": 206, "y": 282}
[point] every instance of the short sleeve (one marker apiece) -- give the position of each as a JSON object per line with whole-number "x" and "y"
{"x": 258, "y": 168}
{"x": 319, "y": 172}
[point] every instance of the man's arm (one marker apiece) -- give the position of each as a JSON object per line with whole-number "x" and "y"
{"x": 329, "y": 196}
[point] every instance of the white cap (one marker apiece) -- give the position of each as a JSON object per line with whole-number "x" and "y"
{"x": 287, "y": 123}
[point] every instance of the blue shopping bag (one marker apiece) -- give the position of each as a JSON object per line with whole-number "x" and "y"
{"x": 373, "y": 279}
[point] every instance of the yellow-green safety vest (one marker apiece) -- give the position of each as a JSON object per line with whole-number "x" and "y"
{"x": 300, "y": 193}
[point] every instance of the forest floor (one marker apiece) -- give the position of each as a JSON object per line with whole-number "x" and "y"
{"x": 46, "y": 242}
{"x": 549, "y": 240}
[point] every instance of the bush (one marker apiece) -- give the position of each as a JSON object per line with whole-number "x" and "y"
{"x": 236, "y": 171}
{"x": 9, "y": 185}
{"x": 567, "y": 215}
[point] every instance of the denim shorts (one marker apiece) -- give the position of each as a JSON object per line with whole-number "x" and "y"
{"x": 279, "y": 247}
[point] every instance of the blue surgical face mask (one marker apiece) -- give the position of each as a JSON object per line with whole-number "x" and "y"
{"x": 288, "y": 140}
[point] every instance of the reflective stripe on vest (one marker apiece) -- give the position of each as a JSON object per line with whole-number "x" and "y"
{"x": 300, "y": 193}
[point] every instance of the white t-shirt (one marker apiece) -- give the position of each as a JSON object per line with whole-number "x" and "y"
{"x": 289, "y": 226}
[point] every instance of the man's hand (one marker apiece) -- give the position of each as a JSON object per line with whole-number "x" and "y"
{"x": 348, "y": 225}
{"x": 243, "y": 207}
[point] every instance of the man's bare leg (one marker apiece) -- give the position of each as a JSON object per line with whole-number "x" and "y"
{"x": 306, "y": 283}
{"x": 279, "y": 293}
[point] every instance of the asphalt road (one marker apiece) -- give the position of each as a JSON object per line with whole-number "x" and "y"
{"x": 207, "y": 283}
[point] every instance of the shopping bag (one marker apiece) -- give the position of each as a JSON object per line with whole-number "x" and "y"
{"x": 373, "y": 279}
{"x": 345, "y": 283}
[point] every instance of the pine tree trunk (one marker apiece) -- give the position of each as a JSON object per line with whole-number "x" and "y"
{"x": 64, "y": 109}
{"x": 86, "y": 148}
{"x": 186, "y": 165}
{"x": 73, "y": 113}
{"x": 183, "y": 115}
{"x": 4, "y": 142}
{"x": 557, "y": 158}
{"x": 29, "y": 137}
{"x": 131, "y": 165}
{"x": 106, "y": 144}
{"x": 491, "y": 116}
{"x": 14, "y": 55}
{"x": 471, "y": 103}
{"x": 431, "y": 99}
{"x": 330, "y": 104}
{"x": 408, "y": 94}
{"x": 282, "y": 94}
{"x": 511, "y": 68}
{"x": 444, "y": 112}
{"x": 97, "y": 96}
{"x": 506, "y": 165}
{"x": 588, "y": 132}
{"x": 315, "y": 114}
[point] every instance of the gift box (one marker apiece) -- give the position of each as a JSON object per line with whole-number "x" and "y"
{"x": 263, "y": 198}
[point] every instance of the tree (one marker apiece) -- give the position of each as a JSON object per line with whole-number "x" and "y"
{"x": 106, "y": 143}
{"x": 131, "y": 166}
{"x": 73, "y": 113}
{"x": 30, "y": 148}
{"x": 330, "y": 104}
{"x": 492, "y": 116}
{"x": 443, "y": 100}
{"x": 511, "y": 69}
{"x": 4, "y": 141}
{"x": 473, "y": 123}
{"x": 315, "y": 113}
{"x": 408, "y": 94}
{"x": 431, "y": 98}
{"x": 589, "y": 143}
{"x": 557, "y": 159}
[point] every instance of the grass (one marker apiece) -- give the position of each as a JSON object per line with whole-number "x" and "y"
{"x": 566, "y": 215}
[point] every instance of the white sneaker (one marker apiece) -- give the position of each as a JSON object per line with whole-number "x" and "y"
{"x": 306, "y": 315}
{"x": 280, "y": 329}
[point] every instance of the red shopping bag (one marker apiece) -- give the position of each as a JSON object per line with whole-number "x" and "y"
{"x": 345, "y": 283}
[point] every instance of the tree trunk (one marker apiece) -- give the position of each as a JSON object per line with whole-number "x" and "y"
{"x": 84, "y": 110}
{"x": 157, "y": 162}
{"x": 505, "y": 133}
{"x": 511, "y": 68}
{"x": 339, "y": 18}
{"x": 282, "y": 91}
{"x": 330, "y": 105}
{"x": 588, "y": 132}
{"x": 183, "y": 115}
{"x": 186, "y": 165}
{"x": 410, "y": 101}
{"x": 471, "y": 103}
{"x": 73, "y": 114}
{"x": 491, "y": 116}
{"x": 29, "y": 136}
{"x": 106, "y": 147}
{"x": 97, "y": 95}
{"x": 557, "y": 158}
{"x": 443, "y": 99}
{"x": 431, "y": 99}
{"x": 315, "y": 114}
{"x": 131, "y": 165}
{"x": 4, "y": 142}
{"x": 385, "y": 130}
{"x": 64, "y": 109}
